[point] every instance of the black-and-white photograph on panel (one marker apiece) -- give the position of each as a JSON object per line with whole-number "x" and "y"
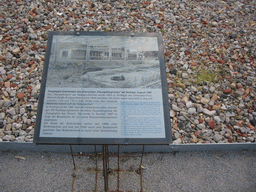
{"x": 104, "y": 62}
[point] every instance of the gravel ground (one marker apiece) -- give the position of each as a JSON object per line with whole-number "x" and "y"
{"x": 186, "y": 171}
{"x": 209, "y": 51}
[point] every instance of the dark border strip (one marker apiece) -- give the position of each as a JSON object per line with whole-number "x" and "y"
{"x": 23, "y": 146}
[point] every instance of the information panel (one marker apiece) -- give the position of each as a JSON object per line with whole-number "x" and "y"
{"x": 103, "y": 88}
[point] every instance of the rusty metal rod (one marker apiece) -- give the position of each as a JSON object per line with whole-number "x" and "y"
{"x": 73, "y": 174}
{"x": 141, "y": 186}
{"x": 96, "y": 174}
{"x": 118, "y": 168}
{"x": 105, "y": 166}
{"x": 73, "y": 157}
{"x": 73, "y": 182}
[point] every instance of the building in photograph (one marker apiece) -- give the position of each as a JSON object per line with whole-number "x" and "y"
{"x": 132, "y": 55}
{"x": 69, "y": 51}
{"x": 99, "y": 53}
{"x": 118, "y": 53}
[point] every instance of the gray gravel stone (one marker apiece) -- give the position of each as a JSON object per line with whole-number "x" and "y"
{"x": 204, "y": 101}
{"x": 11, "y": 111}
{"x": 2, "y": 71}
{"x": 32, "y": 36}
{"x": 191, "y": 111}
{"x": 217, "y": 119}
{"x": 172, "y": 113}
{"x": 22, "y": 111}
{"x": 193, "y": 89}
{"x": 199, "y": 108}
{"x": 18, "y": 126}
{"x": 239, "y": 92}
{"x": 20, "y": 139}
{"x": 207, "y": 112}
{"x": 175, "y": 107}
{"x": 211, "y": 103}
{"x": 16, "y": 51}
{"x": 227, "y": 135}
{"x": 251, "y": 139}
{"x": 201, "y": 126}
{"x": 233, "y": 36}
{"x": 222, "y": 117}
{"x": 8, "y": 138}
{"x": 177, "y": 141}
{"x": 184, "y": 75}
{"x": 217, "y": 138}
{"x": 38, "y": 25}
{"x": 189, "y": 104}
{"x": 2, "y": 116}
{"x": 212, "y": 89}
{"x": 243, "y": 130}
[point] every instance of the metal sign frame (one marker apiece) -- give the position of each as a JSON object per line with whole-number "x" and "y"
{"x": 92, "y": 141}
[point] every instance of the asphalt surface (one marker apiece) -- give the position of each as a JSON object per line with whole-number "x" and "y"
{"x": 182, "y": 171}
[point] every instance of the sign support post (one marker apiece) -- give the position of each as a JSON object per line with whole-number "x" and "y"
{"x": 105, "y": 166}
